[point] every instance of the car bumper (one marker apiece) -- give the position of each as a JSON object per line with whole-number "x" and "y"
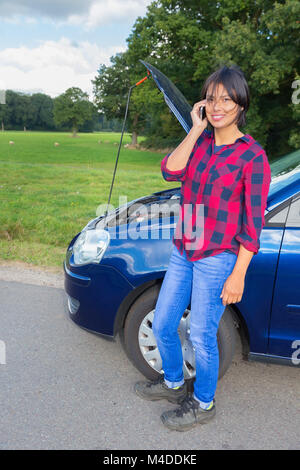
{"x": 95, "y": 296}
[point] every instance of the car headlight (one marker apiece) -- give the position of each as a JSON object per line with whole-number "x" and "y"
{"x": 90, "y": 246}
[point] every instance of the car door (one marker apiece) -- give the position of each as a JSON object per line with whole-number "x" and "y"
{"x": 284, "y": 335}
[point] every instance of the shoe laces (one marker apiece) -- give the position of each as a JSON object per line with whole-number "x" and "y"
{"x": 156, "y": 382}
{"x": 187, "y": 405}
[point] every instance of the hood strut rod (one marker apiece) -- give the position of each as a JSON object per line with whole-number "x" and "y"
{"x": 123, "y": 128}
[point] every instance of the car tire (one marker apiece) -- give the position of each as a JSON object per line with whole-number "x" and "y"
{"x": 138, "y": 312}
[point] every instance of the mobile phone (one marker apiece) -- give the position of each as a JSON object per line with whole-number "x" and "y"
{"x": 202, "y": 112}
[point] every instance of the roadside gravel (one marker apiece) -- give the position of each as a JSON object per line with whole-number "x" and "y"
{"x": 26, "y": 273}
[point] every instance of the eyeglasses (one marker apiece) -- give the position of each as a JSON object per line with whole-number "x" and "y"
{"x": 224, "y": 102}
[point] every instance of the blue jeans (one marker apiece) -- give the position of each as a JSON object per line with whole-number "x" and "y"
{"x": 199, "y": 284}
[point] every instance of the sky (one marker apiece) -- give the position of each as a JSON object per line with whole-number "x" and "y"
{"x": 49, "y": 46}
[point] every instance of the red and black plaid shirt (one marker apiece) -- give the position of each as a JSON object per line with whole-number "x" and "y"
{"x": 223, "y": 197}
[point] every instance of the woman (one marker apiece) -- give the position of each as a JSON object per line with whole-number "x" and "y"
{"x": 225, "y": 178}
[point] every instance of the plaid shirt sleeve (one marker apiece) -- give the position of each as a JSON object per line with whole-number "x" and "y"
{"x": 177, "y": 175}
{"x": 257, "y": 179}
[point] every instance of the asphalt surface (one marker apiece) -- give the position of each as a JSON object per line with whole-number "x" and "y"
{"x": 65, "y": 388}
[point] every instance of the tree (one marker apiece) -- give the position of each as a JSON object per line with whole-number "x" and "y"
{"x": 189, "y": 40}
{"x": 15, "y": 111}
{"x": 111, "y": 88}
{"x": 40, "y": 112}
{"x": 26, "y": 111}
{"x": 73, "y": 108}
{"x": 266, "y": 45}
{"x": 3, "y": 113}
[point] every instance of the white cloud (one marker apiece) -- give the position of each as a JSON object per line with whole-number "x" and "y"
{"x": 53, "y": 66}
{"x": 89, "y": 14}
{"x": 104, "y": 11}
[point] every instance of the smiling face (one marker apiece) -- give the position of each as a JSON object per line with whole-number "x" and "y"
{"x": 221, "y": 110}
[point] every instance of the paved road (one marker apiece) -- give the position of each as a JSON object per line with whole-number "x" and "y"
{"x": 65, "y": 388}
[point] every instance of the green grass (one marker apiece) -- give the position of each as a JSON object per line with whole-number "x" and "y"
{"x": 48, "y": 193}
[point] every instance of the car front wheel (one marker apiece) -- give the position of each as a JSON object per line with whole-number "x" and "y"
{"x": 140, "y": 343}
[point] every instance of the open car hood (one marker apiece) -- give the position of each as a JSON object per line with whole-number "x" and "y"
{"x": 173, "y": 97}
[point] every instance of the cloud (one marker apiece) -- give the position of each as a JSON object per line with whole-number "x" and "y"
{"x": 102, "y": 12}
{"x": 88, "y": 13}
{"x": 46, "y": 8}
{"x": 53, "y": 66}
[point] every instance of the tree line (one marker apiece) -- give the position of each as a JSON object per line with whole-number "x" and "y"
{"x": 71, "y": 110}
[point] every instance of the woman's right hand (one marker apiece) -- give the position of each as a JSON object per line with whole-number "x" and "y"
{"x": 195, "y": 115}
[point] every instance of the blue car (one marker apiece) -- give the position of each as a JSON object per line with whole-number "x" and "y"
{"x": 115, "y": 266}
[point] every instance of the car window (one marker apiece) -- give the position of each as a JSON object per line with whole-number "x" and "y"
{"x": 293, "y": 219}
{"x": 277, "y": 217}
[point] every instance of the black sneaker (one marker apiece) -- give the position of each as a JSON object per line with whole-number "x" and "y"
{"x": 158, "y": 390}
{"x": 188, "y": 415}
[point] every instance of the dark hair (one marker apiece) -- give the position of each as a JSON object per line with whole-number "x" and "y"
{"x": 234, "y": 81}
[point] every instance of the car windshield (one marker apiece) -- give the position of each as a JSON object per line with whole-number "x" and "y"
{"x": 286, "y": 164}
{"x": 285, "y": 171}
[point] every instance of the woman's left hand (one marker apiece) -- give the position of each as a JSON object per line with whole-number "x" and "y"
{"x": 233, "y": 289}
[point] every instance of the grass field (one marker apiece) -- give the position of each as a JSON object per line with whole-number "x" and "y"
{"x": 48, "y": 193}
